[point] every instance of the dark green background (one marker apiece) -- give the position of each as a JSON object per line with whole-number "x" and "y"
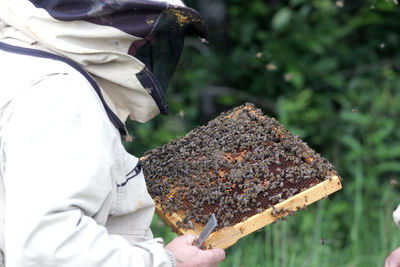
{"x": 329, "y": 72}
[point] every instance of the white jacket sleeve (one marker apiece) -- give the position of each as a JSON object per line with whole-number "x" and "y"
{"x": 60, "y": 158}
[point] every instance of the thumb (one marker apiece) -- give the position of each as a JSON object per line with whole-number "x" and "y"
{"x": 189, "y": 238}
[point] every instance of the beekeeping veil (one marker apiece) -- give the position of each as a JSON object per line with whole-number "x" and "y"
{"x": 130, "y": 47}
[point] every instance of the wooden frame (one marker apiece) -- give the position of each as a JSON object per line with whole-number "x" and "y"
{"x": 228, "y": 236}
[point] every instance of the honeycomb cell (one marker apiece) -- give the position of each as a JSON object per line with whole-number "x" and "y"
{"x": 239, "y": 164}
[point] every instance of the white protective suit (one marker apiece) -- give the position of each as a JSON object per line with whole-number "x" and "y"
{"x": 70, "y": 195}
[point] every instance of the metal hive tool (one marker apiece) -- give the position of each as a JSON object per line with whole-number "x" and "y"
{"x": 244, "y": 167}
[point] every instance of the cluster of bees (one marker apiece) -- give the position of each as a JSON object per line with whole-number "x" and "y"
{"x": 237, "y": 165}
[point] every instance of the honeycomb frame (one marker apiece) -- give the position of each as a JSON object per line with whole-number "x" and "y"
{"x": 269, "y": 209}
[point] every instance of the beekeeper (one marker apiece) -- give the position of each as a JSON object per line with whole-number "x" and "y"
{"x": 71, "y": 74}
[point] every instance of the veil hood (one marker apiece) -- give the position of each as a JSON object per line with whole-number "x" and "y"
{"x": 130, "y": 47}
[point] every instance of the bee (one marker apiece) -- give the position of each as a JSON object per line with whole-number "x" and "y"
{"x": 263, "y": 153}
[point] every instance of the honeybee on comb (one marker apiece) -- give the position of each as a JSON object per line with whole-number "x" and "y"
{"x": 242, "y": 166}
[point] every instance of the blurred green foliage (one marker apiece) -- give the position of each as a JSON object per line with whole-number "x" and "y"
{"x": 329, "y": 72}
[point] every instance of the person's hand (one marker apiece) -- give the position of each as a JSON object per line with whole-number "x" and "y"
{"x": 188, "y": 255}
{"x": 393, "y": 260}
